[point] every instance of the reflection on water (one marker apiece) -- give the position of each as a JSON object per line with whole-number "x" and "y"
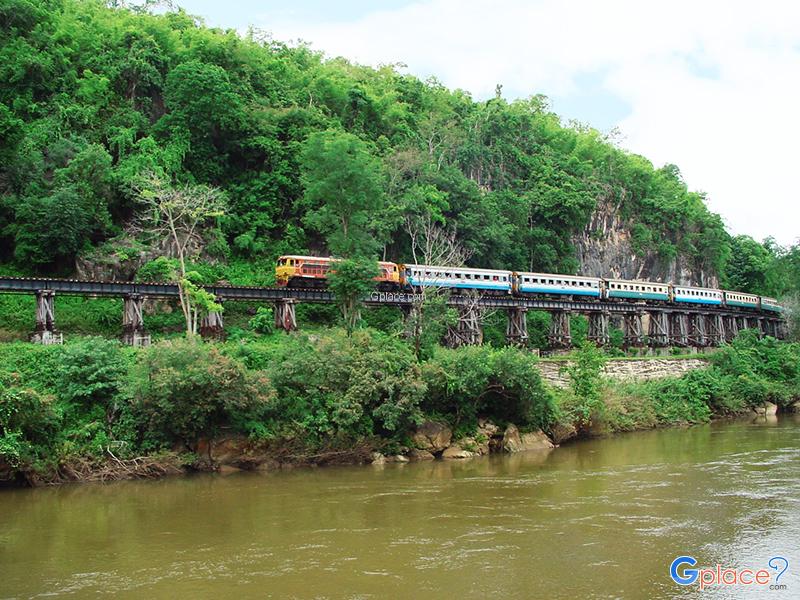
{"x": 600, "y": 519}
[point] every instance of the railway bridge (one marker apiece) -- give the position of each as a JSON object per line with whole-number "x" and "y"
{"x": 642, "y": 324}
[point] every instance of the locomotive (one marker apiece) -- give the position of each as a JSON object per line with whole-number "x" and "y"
{"x": 312, "y": 271}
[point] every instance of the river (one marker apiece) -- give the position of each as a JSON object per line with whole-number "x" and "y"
{"x": 595, "y": 519}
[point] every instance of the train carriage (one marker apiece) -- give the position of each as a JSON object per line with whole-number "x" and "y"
{"x": 421, "y": 276}
{"x": 770, "y": 304}
{"x": 548, "y": 283}
{"x": 741, "y": 300}
{"x": 636, "y": 290}
{"x": 693, "y": 295}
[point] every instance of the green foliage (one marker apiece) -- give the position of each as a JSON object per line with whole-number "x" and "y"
{"x": 160, "y": 270}
{"x": 337, "y": 387}
{"x": 97, "y": 97}
{"x": 263, "y": 321}
{"x": 351, "y": 280}
{"x": 50, "y": 229}
{"x": 28, "y": 423}
{"x": 742, "y": 375}
{"x": 478, "y": 381}
{"x": 343, "y": 191}
{"x": 91, "y": 372}
{"x": 183, "y": 390}
{"x": 585, "y": 375}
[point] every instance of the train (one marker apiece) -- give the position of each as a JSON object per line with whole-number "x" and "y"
{"x": 312, "y": 271}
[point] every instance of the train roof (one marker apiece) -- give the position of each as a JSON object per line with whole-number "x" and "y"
{"x": 325, "y": 258}
{"x": 583, "y": 277}
{"x": 740, "y": 293}
{"x": 694, "y": 287}
{"x": 446, "y": 268}
{"x": 636, "y": 281}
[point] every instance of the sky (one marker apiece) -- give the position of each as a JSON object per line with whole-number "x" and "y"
{"x": 711, "y": 86}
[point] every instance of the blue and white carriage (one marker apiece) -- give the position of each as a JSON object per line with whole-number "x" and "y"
{"x": 422, "y": 276}
{"x": 548, "y": 283}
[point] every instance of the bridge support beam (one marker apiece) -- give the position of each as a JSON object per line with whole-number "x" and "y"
{"x": 45, "y": 331}
{"x": 212, "y": 326}
{"x": 698, "y": 336}
{"x": 133, "y": 332}
{"x": 782, "y": 330}
{"x": 679, "y": 329}
{"x": 598, "y": 328}
{"x": 658, "y": 329}
{"x": 285, "y": 317}
{"x": 633, "y": 332}
{"x": 731, "y": 328}
{"x": 468, "y": 330}
{"x": 517, "y": 327}
{"x": 715, "y": 329}
{"x": 560, "y": 335}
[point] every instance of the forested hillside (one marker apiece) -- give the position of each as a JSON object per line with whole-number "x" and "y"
{"x": 93, "y": 98}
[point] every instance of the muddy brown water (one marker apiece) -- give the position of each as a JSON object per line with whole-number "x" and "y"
{"x": 601, "y": 518}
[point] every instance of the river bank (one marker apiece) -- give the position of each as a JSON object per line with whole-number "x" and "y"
{"x": 431, "y": 441}
{"x": 615, "y": 510}
{"x": 95, "y": 411}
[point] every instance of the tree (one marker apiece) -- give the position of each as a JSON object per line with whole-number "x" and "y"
{"x": 343, "y": 190}
{"x": 431, "y": 244}
{"x": 51, "y": 229}
{"x": 176, "y": 217}
{"x": 749, "y": 266}
{"x": 350, "y": 280}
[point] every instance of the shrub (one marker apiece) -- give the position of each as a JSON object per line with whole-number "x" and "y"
{"x": 91, "y": 372}
{"x": 28, "y": 424}
{"x": 335, "y": 387}
{"x": 263, "y": 321}
{"x": 586, "y": 380}
{"x": 183, "y": 390}
{"x": 477, "y": 381}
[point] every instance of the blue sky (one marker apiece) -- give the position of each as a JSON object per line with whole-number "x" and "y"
{"x": 711, "y": 86}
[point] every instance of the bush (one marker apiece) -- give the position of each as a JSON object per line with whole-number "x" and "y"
{"x": 585, "y": 374}
{"x": 28, "y": 424}
{"x": 474, "y": 381}
{"x": 91, "y": 372}
{"x": 338, "y": 388}
{"x": 182, "y": 390}
{"x": 263, "y": 321}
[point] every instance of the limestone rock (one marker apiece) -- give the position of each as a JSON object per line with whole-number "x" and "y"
{"x": 397, "y": 458}
{"x": 796, "y": 407}
{"x": 536, "y": 440}
{"x": 227, "y": 470}
{"x": 513, "y": 441}
{"x": 487, "y": 428}
{"x": 770, "y": 409}
{"x": 563, "y": 432}
{"x": 378, "y": 458}
{"x": 432, "y": 436}
{"x": 473, "y": 445}
{"x": 419, "y": 455}
{"x": 456, "y": 452}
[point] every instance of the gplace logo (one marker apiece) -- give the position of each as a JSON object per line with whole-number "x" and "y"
{"x": 683, "y": 572}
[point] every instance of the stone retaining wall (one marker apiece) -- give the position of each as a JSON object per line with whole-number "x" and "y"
{"x": 626, "y": 370}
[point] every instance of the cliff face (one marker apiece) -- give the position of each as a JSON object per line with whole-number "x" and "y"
{"x": 604, "y": 249}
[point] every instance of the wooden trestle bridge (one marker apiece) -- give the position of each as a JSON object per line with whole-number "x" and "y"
{"x": 643, "y": 324}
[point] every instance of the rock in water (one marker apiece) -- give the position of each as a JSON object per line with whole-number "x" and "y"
{"x": 513, "y": 441}
{"x": 432, "y": 436}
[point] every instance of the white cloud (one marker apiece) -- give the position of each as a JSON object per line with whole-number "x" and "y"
{"x": 713, "y": 86}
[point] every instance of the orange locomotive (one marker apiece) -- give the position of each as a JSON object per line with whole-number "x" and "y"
{"x": 312, "y": 271}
